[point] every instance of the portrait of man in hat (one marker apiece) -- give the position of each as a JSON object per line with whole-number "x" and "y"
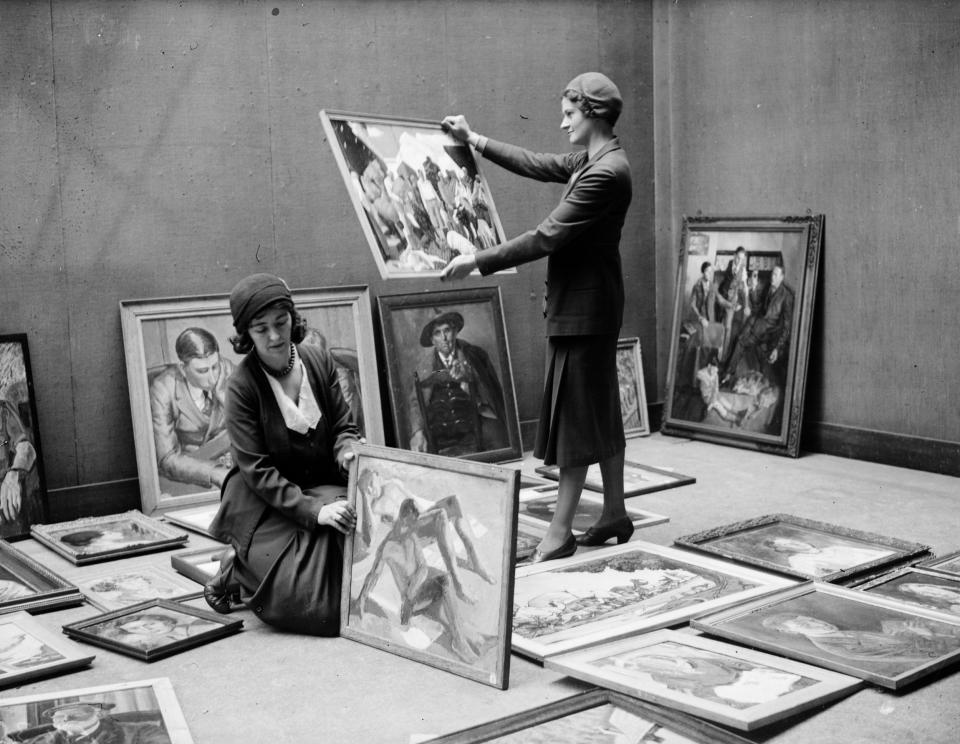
{"x": 456, "y": 404}
{"x": 91, "y": 722}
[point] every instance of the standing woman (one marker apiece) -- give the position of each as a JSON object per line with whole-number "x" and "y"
{"x": 580, "y": 420}
{"x": 283, "y": 507}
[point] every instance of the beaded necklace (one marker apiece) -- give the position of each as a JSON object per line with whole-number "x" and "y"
{"x": 286, "y": 370}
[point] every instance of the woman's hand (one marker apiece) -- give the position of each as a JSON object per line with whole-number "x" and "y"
{"x": 339, "y": 515}
{"x": 349, "y": 454}
{"x": 457, "y": 127}
{"x": 459, "y": 267}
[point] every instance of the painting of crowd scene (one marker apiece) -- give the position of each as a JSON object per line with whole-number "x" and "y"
{"x": 738, "y": 357}
{"x": 418, "y": 193}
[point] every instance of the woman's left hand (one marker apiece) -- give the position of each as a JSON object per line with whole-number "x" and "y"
{"x": 459, "y": 267}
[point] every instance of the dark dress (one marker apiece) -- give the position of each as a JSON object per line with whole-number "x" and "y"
{"x": 288, "y": 567}
{"x": 580, "y": 419}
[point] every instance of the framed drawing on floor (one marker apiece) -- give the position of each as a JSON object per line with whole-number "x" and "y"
{"x": 637, "y": 479}
{"x": 418, "y": 193}
{"x": 24, "y": 497}
{"x": 196, "y": 518}
{"x": 29, "y": 651}
{"x": 153, "y": 630}
{"x": 451, "y": 381}
{"x": 804, "y": 548}
{"x": 743, "y": 314}
{"x": 728, "y": 684}
{"x": 428, "y": 571}
{"x": 595, "y": 716}
{"x": 93, "y": 539}
{"x": 606, "y": 594}
{"x": 144, "y": 711}
{"x": 121, "y": 587}
{"x": 27, "y": 585}
{"x": 918, "y": 586}
{"x": 199, "y": 565}
{"x": 885, "y": 642}
{"x": 536, "y": 509}
{"x": 633, "y": 396}
{"x": 179, "y": 349}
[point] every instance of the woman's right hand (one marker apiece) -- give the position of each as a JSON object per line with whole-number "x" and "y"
{"x": 457, "y": 127}
{"x": 339, "y": 515}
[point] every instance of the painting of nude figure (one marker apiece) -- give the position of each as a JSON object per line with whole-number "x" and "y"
{"x": 428, "y": 572}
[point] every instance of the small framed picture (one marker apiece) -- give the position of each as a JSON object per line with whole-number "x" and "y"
{"x": 537, "y": 510}
{"x": 633, "y": 395}
{"x": 595, "y": 716}
{"x": 918, "y": 586}
{"x": 888, "y": 643}
{"x": 29, "y": 651}
{"x": 728, "y": 684}
{"x": 637, "y": 479}
{"x": 195, "y": 518}
{"x": 93, "y": 539}
{"x": 153, "y": 630}
{"x": 111, "y": 590}
{"x": 803, "y": 548}
{"x": 21, "y": 463}
{"x": 199, "y": 565}
{"x": 949, "y": 563}
{"x": 27, "y": 585}
{"x": 144, "y": 711}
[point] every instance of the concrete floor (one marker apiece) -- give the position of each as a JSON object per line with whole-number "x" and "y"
{"x": 265, "y": 686}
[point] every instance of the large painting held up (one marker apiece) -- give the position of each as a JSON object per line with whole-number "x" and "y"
{"x": 886, "y": 642}
{"x": 451, "y": 381}
{"x": 428, "y": 572}
{"x": 23, "y": 496}
{"x": 418, "y": 193}
{"x": 804, "y": 548}
{"x": 742, "y": 320}
{"x": 179, "y": 357}
{"x": 142, "y": 711}
{"x": 613, "y": 592}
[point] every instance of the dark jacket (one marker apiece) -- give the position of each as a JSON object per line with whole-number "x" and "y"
{"x": 581, "y": 236}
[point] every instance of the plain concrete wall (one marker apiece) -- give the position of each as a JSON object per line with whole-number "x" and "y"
{"x": 164, "y": 149}
{"x": 847, "y": 108}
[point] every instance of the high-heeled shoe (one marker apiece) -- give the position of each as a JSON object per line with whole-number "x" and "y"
{"x": 622, "y": 529}
{"x": 568, "y": 548}
{"x": 221, "y": 593}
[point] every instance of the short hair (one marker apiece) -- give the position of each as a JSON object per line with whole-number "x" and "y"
{"x": 704, "y": 266}
{"x": 243, "y": 344}
{"x": 741, "y": 249}
{"x": 195, "y": 343}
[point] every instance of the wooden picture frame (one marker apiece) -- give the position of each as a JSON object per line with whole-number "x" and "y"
{"x": 538, "y": 505}
{"x": 804, "y": 548}
{"x": 199, "y": 565}
{"x": 149, "y": 706}
{"x": 411, "y": 184}
{"x": 119, "y": 587}
{"x": 948, "y": 563}
{"x": 25, "y": 584}
{"x": 153, "y": 629}
{"x": 480, "y": 420}
{"x": 182, "y": 453}
{"x": 885, "y": 642}
{"x": 589, "y": 715}
{"x": 932, "y": 590}
{"x": 633, "y": 394}
{"x": 752, "y": 394}
{"x": 94, "y": 539}
{"x": 20, "y": 450}
{"x": 29, "y": 651}
{"x": 528, "y": 538}
{"x": 612, "y": 592}
{"x": 194, "y": 518}
{"x": 637, "y": 479}
{"x": 410, "y": 502}
{"x": 727, "y": 684}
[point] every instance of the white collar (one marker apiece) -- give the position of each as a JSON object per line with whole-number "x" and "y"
{"x": 299, "y": 417}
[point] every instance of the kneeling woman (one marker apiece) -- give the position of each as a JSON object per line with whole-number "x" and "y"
{"x": 283, "y": 507}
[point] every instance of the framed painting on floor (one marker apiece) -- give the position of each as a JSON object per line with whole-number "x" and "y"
{"x": 27, "y": 585}
{"x": 451, "y": 381}
{"x": 452, "y": 612}
{"x": 742, "y": 319}
{"x": 418, "y": 193}
{"x": 130, "y": 585}
{"x": 918, "y": 586}
{"x": 178, "y": 345}
{"x": 537, "y": 507}
{"x": 29, "y": 651}
{"x": 804, "y": 548}
{"x": 199, "y": 565}
{"x": 637, "y": 479}
{"x": 23, "y": 500}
